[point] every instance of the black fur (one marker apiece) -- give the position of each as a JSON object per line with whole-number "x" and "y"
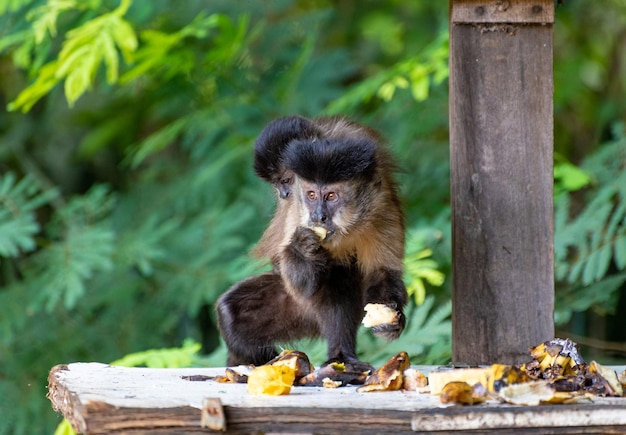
{"x": 333, "y": 160}
{"x": 311, "y": 293}
{"x": 271, "y": 143}
{"x": 258, "y": 312}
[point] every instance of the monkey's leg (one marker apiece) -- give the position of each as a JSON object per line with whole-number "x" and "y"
{"x": 340, "y": 308}
{"x": 256, "y": 313}
{"x": 387, "y": 287}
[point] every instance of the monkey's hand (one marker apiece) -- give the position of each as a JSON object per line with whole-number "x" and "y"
{"x": 386, "y": 320}
{"x": 306, "y": 242}
{"x": 306, "y": 262}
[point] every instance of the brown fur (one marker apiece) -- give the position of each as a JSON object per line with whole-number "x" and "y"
{"x": 378, "y": 242}
{"x": 319, "y": 288}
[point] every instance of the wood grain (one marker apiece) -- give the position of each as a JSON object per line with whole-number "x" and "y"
{"x": 501, "y": 139}
{"x": 502, "y": 11}
{"x": 100, "y": 399}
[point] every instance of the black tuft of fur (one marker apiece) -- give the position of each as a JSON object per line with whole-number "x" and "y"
{"x": 332, "y": 160}
{"x": 275, "y": 137}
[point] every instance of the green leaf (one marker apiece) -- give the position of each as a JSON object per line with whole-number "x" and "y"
{"x": 17, "y": 235}
{"x": 44, "y": 83}
{"x": 162, "y": 358}
{"x": 619, "y": 247}
{"x": 45, "y": 17}
{"x": 85, "y": 48}
{"x": 18, "y": 222}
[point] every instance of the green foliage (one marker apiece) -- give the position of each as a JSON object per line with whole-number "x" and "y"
{"x": 151, "y": 204}
{"x": 419, "y": 268}
{"x": 590, "y": 248}
{"x": 128, "y": 202}
{"x": 85, "y": 48}
{"x": 568, "y": 177}
{"x": 18, "y": 221}
{"x": 418, "y": 73}
{"x": 162, "y": 358}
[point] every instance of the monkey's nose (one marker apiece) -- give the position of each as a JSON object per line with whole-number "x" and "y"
{"x": 318, "y": 217}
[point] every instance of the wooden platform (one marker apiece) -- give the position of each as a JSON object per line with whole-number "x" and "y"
{"x": 98, "y": 398}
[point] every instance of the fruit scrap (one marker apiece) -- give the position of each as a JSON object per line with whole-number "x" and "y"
{"x": 379, "y": 314}
{"x": 294, "y": 359}
{"x": 501, "y": 375}
{"x": 461, "y": 393}
{"x": 329, "y": 383}
{"x": 335, "y": 373}
{"x": 271, "y": 380}
{"x": 559, "y": 362}
{"x": 389, "y": 377}
{"x": 235, "y": 375}
{"x": 554, "y": 358}
{"x": 537, "y": 393}
{"x": 438, "y": 379}
{"x": 602, "y": 381}
{"x": 320, "y": 231}
{"x": 414, "y": 380}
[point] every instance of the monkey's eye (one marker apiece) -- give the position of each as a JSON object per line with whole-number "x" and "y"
{"x": 331, "y": 196}
{"x": 311, "y": 195}
{"x": 285, "y": 180}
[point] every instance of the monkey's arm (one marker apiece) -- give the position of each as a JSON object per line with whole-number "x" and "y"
{"x": 387, "y": 287}
{"x": 305, "y": 263}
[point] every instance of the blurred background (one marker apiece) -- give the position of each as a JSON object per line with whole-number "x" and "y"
{"x": 128, "y": 202}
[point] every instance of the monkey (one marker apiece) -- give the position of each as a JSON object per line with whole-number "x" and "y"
{"x": 338, "y": 177}
{"x": 268, "y": 162}
{"x": 268, "y": 151}
{"x": 270, "y": 145}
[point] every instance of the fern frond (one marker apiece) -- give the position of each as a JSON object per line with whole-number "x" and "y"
{"x": 18, "y": 222}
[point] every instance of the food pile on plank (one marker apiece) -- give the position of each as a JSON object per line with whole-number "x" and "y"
{"x": 555, "y": 374}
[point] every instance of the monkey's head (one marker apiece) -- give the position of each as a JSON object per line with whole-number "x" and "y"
{"x": 336, "y": 181}
{"x": 270, "y": 146}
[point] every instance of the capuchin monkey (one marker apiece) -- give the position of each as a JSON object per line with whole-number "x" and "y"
{"x": 336, "y": 243}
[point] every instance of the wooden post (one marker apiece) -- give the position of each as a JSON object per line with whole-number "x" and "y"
{"x": 501, "y": 140}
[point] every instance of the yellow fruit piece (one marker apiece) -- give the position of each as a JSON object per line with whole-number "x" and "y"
{"x": 272, "y": 380}
{"x": 320, "y": 231}
{"x": 457, "y": 392}
{"x": 438, "y": 379}
{"x": 501, "y": 375}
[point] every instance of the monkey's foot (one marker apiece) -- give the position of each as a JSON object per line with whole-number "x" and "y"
{"x": 351, "y": 364}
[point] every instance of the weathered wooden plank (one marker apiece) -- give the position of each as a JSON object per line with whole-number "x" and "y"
{"x": 100, "y": 399}
{"x": 502, "y": 11}
{"x": 501, "y": 187}
{"x": 546, "y": 419}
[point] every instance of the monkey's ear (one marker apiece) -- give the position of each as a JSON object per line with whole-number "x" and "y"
{"x": 332, "y": 160}
{"x": 271, "y": 143}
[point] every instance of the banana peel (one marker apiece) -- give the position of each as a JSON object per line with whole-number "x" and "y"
{"x": 294, "y": 359}
{"x": 554, "y": 358}
{"x": 332, "y": 376}
{"x": 538, "y": 393}
{"x": 389, "y": 377}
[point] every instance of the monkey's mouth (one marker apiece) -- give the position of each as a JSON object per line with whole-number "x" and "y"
{"x": 322, "y": 231}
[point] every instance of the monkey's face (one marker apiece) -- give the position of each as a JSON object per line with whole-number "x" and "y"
{"x": 331, "y": 206}
{"x": 284, "y": 183}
